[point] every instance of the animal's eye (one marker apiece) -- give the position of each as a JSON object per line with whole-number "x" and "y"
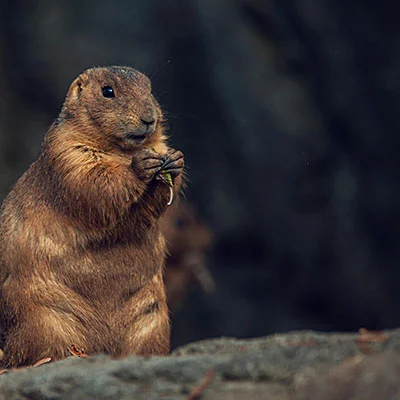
{"x": 107, "y": 91}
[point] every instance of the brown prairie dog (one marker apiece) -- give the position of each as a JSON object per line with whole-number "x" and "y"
{"x": 81, "y": 251}
{"x": 188, "y": 241}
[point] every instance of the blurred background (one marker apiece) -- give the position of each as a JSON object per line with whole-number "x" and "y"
{"x": 287, "y": 112}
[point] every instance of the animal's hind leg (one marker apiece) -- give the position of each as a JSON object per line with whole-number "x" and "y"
{"x": 43, "y": 334}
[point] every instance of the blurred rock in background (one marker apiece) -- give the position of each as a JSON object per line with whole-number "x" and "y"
{"x": 287, "y": 112}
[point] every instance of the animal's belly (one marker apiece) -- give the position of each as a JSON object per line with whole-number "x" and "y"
{"x": 112, "y": 275}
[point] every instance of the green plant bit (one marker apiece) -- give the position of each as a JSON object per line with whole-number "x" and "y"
{"x": 167, "y": 178}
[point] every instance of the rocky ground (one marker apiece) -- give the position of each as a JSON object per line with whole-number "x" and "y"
{"x": 299, "y": 366}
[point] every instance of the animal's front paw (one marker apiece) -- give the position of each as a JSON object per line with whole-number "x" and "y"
{"x": 146, "y": 163}
{"x": 173, "y": 163}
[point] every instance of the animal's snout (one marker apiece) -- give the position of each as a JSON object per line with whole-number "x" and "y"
{"x": 148, "y": 117}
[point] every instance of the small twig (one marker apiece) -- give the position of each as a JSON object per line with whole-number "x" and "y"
{"x": 171, "y": 196}
{"x": 77, "y": 352}
{"x": 302, "y": 343}
{"x": 37, "y": 364}
{"x": 166, "y": 178}
{"x": 367, "y": 337}
{"x": 198, "y": 391}
{"x": 195, "y": 263}
{"x": 41, "y": 362}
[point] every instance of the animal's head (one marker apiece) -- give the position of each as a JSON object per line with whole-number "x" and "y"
{"x": 118, "y": 102}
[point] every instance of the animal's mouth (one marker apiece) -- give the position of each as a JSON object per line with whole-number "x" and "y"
{"x": 140, "y": 135}
{"x": 136, "y": 138}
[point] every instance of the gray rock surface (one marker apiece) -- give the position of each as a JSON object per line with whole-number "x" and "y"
{"x": 298, "y": 365}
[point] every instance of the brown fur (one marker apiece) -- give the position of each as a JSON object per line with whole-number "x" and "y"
{"x": 81, "y": 251}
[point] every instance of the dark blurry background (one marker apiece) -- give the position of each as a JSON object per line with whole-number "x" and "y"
{"x": 287, "y": 112}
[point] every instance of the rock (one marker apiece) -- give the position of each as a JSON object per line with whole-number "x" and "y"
{"x": 299, "y": 365}
{"x": 359, "y": 378}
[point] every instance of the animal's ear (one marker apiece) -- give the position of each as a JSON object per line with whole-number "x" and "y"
{"x": 75, "y": 89}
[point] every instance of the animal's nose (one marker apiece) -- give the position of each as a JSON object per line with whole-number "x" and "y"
{"x": 148, "y": 117}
